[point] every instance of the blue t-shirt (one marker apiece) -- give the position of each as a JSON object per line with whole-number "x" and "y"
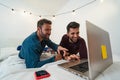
{"x": 32, "y": 49}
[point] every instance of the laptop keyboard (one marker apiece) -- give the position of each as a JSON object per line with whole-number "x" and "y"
{"x": 83, "y": 67}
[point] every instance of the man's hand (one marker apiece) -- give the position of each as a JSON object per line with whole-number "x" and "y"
{"x": 58, "y": 57}
{"x": 72, "y": 57}
{"x": 60, "y": 48}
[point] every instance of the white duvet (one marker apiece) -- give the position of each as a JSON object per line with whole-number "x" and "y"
{"x": 13, "y": 68}
{"x": 11, "y": 65}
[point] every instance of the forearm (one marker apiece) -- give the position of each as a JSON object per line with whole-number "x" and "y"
{"x": 41, "y": 63}
{"x": 36, "y": 64}
{"x": 52, "y": 45}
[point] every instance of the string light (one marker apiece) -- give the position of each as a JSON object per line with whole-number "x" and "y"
{"x": 73, "y": 12}
{"x": 24, "y": 11}
{"x": 13, "y": 10}
{"x": 30, "y": 13}
{"x": 53, "y": 16}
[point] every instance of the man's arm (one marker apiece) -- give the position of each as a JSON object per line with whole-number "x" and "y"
{"x": 52, "y": 45}
{"x": 83, "y": 50}
{"x": 63, "y": 42}
{"x": 32, "y": 58}
{"x": 56, "y": 47}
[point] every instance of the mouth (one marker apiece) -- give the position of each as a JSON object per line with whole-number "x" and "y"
{"x": 47, "y": 36}
{"x": 74, "y": 39}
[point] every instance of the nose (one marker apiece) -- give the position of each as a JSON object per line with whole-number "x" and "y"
{"x": 75, "y": 35}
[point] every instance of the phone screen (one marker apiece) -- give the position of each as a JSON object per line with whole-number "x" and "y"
{"x": 41, "y": 74}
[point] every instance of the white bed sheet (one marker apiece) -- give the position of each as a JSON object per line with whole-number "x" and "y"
{"x": 111, "y": 73}
{"x": 11, "y": 64}
{"x": 14, "y": 63}
{"x": 14, "y": 68}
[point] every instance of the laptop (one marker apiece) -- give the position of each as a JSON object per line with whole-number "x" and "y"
{"x": 98, "y": 51}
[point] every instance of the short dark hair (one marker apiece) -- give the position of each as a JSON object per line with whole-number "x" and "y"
{"x": 72, "y": 25}
{"x": 42, "y": 22}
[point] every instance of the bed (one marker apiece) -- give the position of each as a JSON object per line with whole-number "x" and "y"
{"x": 13, "y": 68}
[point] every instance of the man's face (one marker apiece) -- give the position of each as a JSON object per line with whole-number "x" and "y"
{"x": 45, "y": 31}
{"x": 73, "y": 34}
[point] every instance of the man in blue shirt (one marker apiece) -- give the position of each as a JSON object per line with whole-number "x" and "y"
{"x": 33, "y": 45}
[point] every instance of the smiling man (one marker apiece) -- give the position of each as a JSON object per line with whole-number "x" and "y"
{"x": 33, "y": 45}
{"x": 73, "y": 42}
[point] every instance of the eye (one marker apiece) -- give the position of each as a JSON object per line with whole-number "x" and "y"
{"x": 47, "y": 29}
{"x": 77, "y": 32}
{"x": 72, "y": 33}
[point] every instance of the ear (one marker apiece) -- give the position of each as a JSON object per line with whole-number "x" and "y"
{"x": 38, "y": 29}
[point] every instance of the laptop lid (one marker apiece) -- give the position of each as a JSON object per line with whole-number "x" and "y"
{"x": 99, "y": 50}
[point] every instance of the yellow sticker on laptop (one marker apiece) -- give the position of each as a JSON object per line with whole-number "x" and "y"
{"x": 104, "y": 52}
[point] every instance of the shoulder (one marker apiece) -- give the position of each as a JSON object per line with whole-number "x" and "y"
{"x": 31, "y": 39}
{"x": 65, "y": 36}
{"x": 64, "y": 39}
{"x": 80, "y": 39}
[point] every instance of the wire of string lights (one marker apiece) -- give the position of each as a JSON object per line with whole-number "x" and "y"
{"x": 67, "y": 12}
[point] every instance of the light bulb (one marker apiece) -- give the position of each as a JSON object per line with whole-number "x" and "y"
{"x": 13, "y": 10}
{"x": 73, "y": 12}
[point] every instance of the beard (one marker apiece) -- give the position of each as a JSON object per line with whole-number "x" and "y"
{"x": 45, "y": 36}
{"x": 73, "y": 40}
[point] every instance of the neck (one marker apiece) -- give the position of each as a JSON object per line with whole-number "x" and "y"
{"x": 70, "y": 41}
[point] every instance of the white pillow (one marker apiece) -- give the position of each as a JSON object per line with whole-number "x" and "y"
{"x": 7, "y": 51}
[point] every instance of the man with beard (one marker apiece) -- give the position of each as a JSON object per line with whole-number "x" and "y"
{"x": 33, "y": 45}
{"x": 73, "y": 42}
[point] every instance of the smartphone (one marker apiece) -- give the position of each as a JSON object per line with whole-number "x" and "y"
{"x": 41, "y": 74}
